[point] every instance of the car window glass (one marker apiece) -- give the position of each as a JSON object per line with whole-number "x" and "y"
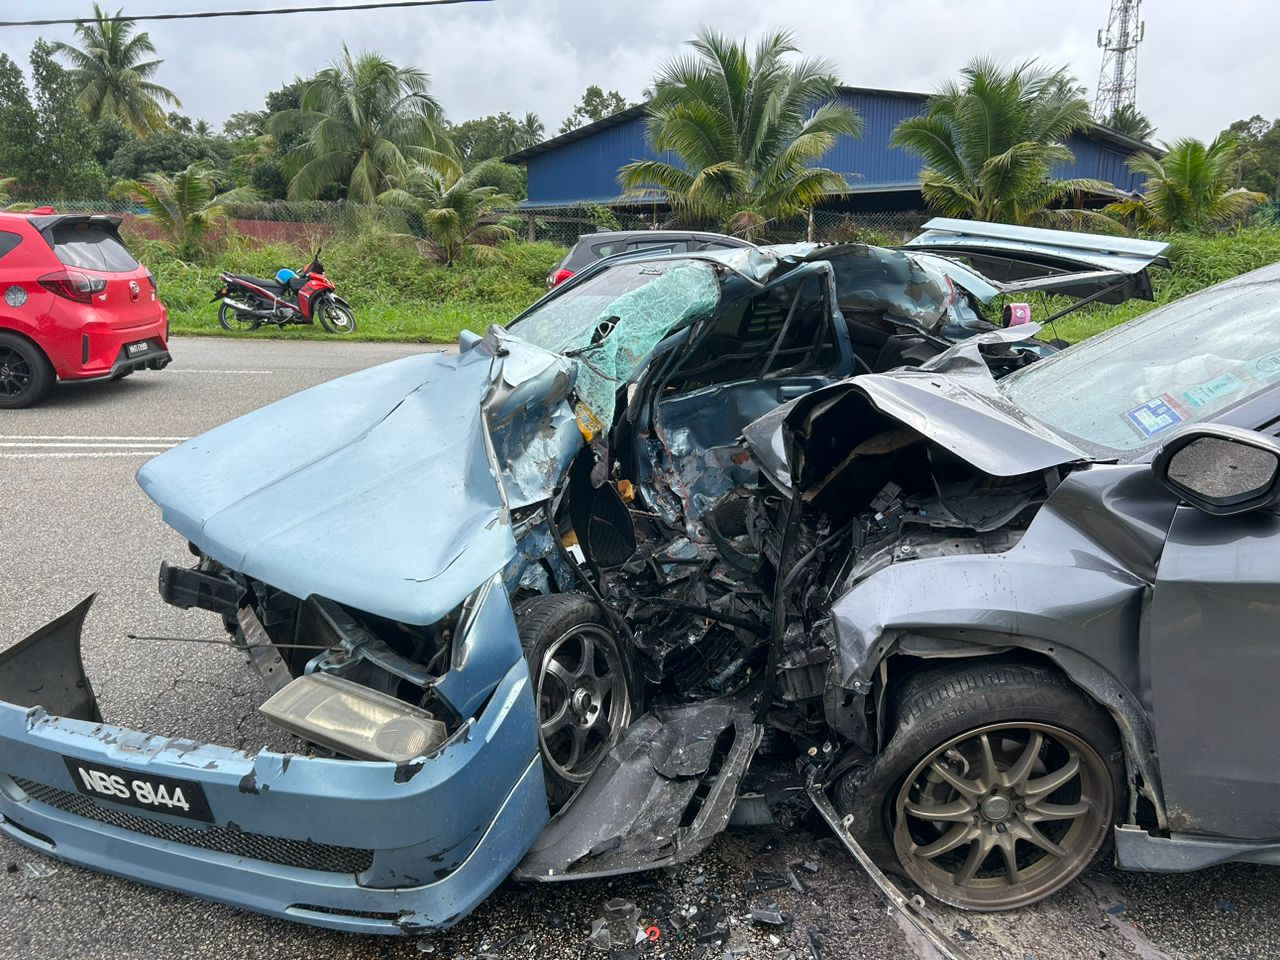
{"x": 8, "y": 242}
{"x": 1183, "y": 363}
{"x": 90, "y": 247}
{"x": 665, "y": 246}
{"x": 612, "y": 321}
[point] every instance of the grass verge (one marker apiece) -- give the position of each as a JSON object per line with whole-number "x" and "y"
{"x": 395, "y": 293}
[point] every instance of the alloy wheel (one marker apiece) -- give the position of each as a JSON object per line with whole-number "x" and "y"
{"x": 1002, "y": 815}
{"x": 583, "y": 701}
{"x": 15, "y": 373}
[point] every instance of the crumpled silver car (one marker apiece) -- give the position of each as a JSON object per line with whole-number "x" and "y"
{"x": 538, "y": 606}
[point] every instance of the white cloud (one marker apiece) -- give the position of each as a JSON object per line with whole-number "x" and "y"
{"x": 1202, "y": 65}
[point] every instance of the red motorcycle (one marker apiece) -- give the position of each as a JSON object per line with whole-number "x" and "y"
{"x": 302, "y": 297}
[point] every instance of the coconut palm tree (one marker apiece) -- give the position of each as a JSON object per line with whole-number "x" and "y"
{"x": 990, "y": 143}
{"x": 185, "y": 206}
{"x": 453, "y": 210}
{"x": 113, "y": 77}
{"x": 366, "y": 122}
{"x": 1190, "y": 188}
{"x": 529, "y": 131}
{"x": 747, "y": 129}
{"x": 1130, "y": 121}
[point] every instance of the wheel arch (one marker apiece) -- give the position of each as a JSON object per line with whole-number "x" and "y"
{"x": 23, "y": 335}
{"x": 913, "y": 653}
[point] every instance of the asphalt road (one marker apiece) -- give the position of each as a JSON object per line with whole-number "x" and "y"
{"x": 73, "y": 522}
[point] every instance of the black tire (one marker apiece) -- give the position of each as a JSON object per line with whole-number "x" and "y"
{"x": 582, "y": 706}
{"x": 26, "y": 376}
{"x": 335, "y": 317}
{"x": 235, "y": 321}
{"x": 974, "y": 749}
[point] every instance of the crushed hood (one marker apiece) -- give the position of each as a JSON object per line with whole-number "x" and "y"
{"x": 953, "y": 401}
{"x": 377, "y": 489}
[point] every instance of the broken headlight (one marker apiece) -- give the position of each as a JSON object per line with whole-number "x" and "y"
{"x": 353, "y": 720}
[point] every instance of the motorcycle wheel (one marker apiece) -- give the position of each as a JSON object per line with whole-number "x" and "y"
{"x": 234, "y": 320}
{"x": 335, "y": 317}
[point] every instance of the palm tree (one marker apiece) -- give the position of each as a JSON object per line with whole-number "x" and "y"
{"x": 113, "y": 77}
{"x": 989, "y": 144}
{"x": 1130, "y": 121}
{"x": 366, "y": 122}
{"x": 184, "y": 206}
{"x": 452, "y": 208}
{"x": 746, "y": 130}
{"x": 529, "y": 131}
{"x": 1189, "y": 188}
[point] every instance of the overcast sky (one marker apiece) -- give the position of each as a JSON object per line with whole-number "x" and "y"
{"x": 1203, "y": 64}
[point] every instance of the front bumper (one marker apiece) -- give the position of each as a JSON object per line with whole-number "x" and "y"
{"x": 359, "y": 846}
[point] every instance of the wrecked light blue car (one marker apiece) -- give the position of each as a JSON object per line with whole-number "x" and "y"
{"x": 496, "y": 594}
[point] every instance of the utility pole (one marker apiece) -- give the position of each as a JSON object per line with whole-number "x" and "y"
{"x": 1118, "y": 78}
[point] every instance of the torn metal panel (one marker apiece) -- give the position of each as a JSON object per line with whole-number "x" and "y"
{"x": 664, "y": 792}
{"x": 877, "y": 280}
{"x": 46, "y": 669}
{"x": 1048, "y": 250}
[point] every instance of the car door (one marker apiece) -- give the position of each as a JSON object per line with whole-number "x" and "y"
{"x": 759, "y": 351}
{"x": 1212, "y": 651}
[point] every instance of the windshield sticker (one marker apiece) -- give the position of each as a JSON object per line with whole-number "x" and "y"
{"x": 1154, "y": 416}
{"x": 1206, "y": 394}
{"x": 1266, "y": 367}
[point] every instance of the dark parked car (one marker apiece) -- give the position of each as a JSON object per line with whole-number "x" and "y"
{"x": 596, "y": 246}
{"x": 546, "y": 576}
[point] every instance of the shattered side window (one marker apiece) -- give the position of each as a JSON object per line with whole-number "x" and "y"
{"x": 611, "y": 322}
{"x": 889, "y": 283}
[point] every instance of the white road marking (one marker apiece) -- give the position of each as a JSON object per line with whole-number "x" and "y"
{"x": 204, "y": 370}
{"x": 94, "y": 446}
{"x": 95, "y": 439}
{"x": 81, "y": 454}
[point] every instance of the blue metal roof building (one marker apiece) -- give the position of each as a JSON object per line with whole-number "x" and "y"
{"x": 582, "y": 166}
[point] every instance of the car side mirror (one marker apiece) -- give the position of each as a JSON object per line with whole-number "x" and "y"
{"x": 1221, "y": 470}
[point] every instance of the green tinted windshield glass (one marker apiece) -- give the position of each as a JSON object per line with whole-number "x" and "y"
{"x": 612, "y": 321}
{"x": 1186, "y": 362}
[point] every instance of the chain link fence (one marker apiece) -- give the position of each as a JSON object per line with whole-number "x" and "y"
{"x": 313, "y": 222}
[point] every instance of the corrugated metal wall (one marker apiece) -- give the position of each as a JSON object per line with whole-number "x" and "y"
{"x": 586, "y": 170}
{"x": 1100, "y": 161}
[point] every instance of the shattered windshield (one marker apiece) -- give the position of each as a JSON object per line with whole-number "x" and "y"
{"x": 610, "y": 322}
{"x": 1125, "y": 389}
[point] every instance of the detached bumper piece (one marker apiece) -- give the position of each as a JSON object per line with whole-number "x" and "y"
{"x": 363, "y": 846}
{"x": 665, "y": 791}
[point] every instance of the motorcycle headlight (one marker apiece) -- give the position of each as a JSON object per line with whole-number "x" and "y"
{"x": 353, "y": 720}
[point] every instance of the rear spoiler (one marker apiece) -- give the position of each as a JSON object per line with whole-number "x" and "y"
{"x": 46, "y": 223}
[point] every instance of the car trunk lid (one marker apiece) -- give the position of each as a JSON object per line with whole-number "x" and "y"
{"x": 1018, "y": 259}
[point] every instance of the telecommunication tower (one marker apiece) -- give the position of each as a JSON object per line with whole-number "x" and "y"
{"x": 1118, "y": 78}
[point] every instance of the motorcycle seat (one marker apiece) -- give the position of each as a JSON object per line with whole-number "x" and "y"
{"x": 266, "y": 283}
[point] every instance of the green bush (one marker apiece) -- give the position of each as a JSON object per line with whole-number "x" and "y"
{"x": 395, "y": 292}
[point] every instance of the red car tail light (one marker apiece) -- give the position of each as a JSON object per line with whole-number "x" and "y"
{"x": 559, "y": 277}
{"x": 72, "y": 285}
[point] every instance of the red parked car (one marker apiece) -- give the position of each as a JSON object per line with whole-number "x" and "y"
{"x": 74, "y": 305}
